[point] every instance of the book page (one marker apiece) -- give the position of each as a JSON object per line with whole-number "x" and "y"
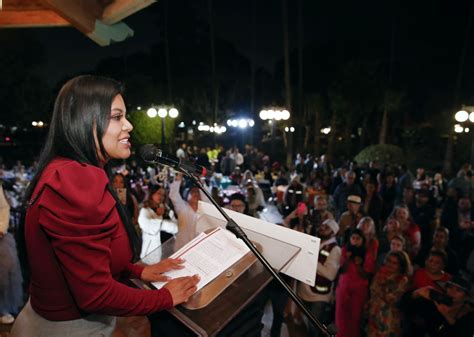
{"x": 208, "y": 255}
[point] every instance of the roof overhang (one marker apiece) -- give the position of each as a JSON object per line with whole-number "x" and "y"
{"x": 100, "y": 20}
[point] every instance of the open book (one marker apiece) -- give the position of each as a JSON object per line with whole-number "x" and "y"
{"x": 208, "y": 255}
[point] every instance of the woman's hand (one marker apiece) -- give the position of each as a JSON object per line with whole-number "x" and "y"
{"x": 154, "y": 272}
{"x": 182, "y": 288}
{"x": 422, "y": 292}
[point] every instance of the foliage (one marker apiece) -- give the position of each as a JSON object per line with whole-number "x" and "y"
{"x": 382, "y": 153}
{"x": 147, "y": 130}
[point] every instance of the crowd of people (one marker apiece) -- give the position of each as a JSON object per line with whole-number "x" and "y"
{"x": 390, "y": 242}
{"x": 396, "y": 253}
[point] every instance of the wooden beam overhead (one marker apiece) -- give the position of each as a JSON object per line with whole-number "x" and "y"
{"x": 81, "y": 14}
{"x": 98, "y": 19}
{"x": 31, "y": 18}
{"x": 120, "y": 9}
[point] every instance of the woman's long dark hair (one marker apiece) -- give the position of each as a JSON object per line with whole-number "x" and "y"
{"x": 81, "y": 110}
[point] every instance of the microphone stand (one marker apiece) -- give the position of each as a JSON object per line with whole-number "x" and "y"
{"x": 240, "y": 234}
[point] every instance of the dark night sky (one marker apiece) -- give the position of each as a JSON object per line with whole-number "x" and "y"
{"x": 428, "y": 35}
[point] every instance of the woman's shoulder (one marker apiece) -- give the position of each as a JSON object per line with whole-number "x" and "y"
{"x": 72, "y": 184}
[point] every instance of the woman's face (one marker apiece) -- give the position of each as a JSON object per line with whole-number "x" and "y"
{"x": 365, "y": 227}
{"x": 118, "y": 181}
{"x": 392, "y": 264}
{"x": 396, "y": 245}
{"x": 116, "y": 138}
{"x": 402, "y": 214}
{"x": 393, "y": 225}
{"x": 434, "y": 264}
{"x": 356, "y": 240}
{"x": 158, "y": 196}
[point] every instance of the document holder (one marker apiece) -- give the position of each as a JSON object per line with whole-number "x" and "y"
{"x": 218, "y": 285}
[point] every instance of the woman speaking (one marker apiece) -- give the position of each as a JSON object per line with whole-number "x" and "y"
{"x": 79, "y": 241}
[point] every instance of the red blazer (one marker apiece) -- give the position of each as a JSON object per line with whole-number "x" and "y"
{"x": 78, "y": 248}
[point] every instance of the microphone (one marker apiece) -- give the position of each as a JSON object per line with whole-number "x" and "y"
{"x": 151, "y": 154}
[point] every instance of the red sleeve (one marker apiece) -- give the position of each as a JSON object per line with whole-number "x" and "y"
{"x": 79, "y": 216}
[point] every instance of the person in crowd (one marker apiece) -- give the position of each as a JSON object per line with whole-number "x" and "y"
{"x": 80, "y": 243}
{"x": 202, "y": 158}
{"x": 255, "y": 199}
{"x": 237, "y": 157}
{"x": 343, "y": 191}
{"x": 405, "y": 178}
{"x": 157, "y": 221}
{"x": 420, "y": 179}
{"x": 461, "y": 183}
{"x": 458, "y": 220}
{"x": 367, "y": 226}
{"x": 293, "y": 195}
{"x": 443, "y": 312}
{"x": 11, "y": 288}
{"x": 432, "y": 272}
{"x": 388, "y": 193}
{"x": 319, "y": 298}
{"x": 319, "y": 214}
{"x": 238, "y": 203}
{"x": 124, "y": 192}
{"x": 185, "y": 209}
{"x": 337, "y": 179}
{"x": 439, "y": 187}
{"x": 350, "y": 218}
{"x": 423, "y": 214}
{"x": 227, "y": 164}
{"x": 391, "y": 229}
{"x": 353, "y": 285}
{"x": 386, "y": 290}
{"x": 441, "y": 243}
{"x": 372, "y": 205}
{"x": 181, "y": 152}
{"x": 407, "y": 197}
{"x": 410, "y": 230}
{"x": 236, "y": 176}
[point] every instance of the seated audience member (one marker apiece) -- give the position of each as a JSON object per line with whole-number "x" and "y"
{"x": 441, "y": 242}
{"x": 433, "y": 271}
{"x": 445, "y": 312}
{"x": 350, "y": 218}
{"x": 238, "y": 204}
{"x": 410, "y": 230}
{"x": 255, "y": 198}
{"x": 319, "y": 297}
{"x": 386, "y": 291}
{"x": 353, "y": 286}
{"x": 156, "y": 221}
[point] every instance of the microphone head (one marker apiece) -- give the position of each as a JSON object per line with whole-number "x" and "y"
{"x": 149, "y": 153}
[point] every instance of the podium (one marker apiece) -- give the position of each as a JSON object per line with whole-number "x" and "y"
{"x": 232, "y": 304}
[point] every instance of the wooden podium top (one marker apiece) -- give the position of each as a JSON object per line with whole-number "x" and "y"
{"x": 211, "y": 319}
